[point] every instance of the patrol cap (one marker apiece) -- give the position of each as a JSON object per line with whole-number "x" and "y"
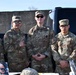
{"x": 29, "y": 71}
{"x": 64, "y": 22}
{"x": 16, "y": 18}
{"x": 39, "y": 12}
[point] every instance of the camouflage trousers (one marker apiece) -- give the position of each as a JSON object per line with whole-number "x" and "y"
{"x": 17, "y": 67}
{"x": 42, "y": 66}
{"x": 61, "y": 71}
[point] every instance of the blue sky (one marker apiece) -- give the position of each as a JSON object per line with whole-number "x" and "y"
{"x": 24, "y": 5}
{"x": 15, "y": 5}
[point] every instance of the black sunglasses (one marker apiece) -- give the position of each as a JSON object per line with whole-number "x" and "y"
{"x": 39, "y": 16}
{"x": 18, "y": 22}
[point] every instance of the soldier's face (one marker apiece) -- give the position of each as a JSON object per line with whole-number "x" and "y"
{"x": 40, "y": 19}
{"x": 16, "y": 24}
{"x": 64, "y": 28}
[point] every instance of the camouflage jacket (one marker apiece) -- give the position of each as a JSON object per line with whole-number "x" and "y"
{"x": 39, "y": 40}
{"x": 64, "y": 47}
{"x": 15, "y": 53}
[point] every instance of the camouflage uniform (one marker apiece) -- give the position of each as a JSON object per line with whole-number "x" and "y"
{"x": 1, "y": 52}
{"x": 39, "y": 41}
{"x": 29, "y": 71}
{"x": 64, "y": 48}
{"x": 17, "y": 56}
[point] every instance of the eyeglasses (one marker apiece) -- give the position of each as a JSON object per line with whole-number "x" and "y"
{"x": 3, "y": 69}
{"x": 39, "y": 16}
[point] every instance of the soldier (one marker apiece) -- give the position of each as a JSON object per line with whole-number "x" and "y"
{"x": 64, "y": 48}
{"x": 15, "y": 46}
{"x": 39, "y": 41}
{"x": 29, "y": 71}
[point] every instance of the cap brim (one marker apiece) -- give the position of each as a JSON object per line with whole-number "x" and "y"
{"x": 39, "y": 14}
{"x": 16, "y": 20}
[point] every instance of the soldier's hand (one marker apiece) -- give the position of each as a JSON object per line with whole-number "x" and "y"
{"x": 64, "y": 64}
{"x": 34, "y": 56}
{"x": 38, "y": 57}
{"x": 41, "y": 57}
